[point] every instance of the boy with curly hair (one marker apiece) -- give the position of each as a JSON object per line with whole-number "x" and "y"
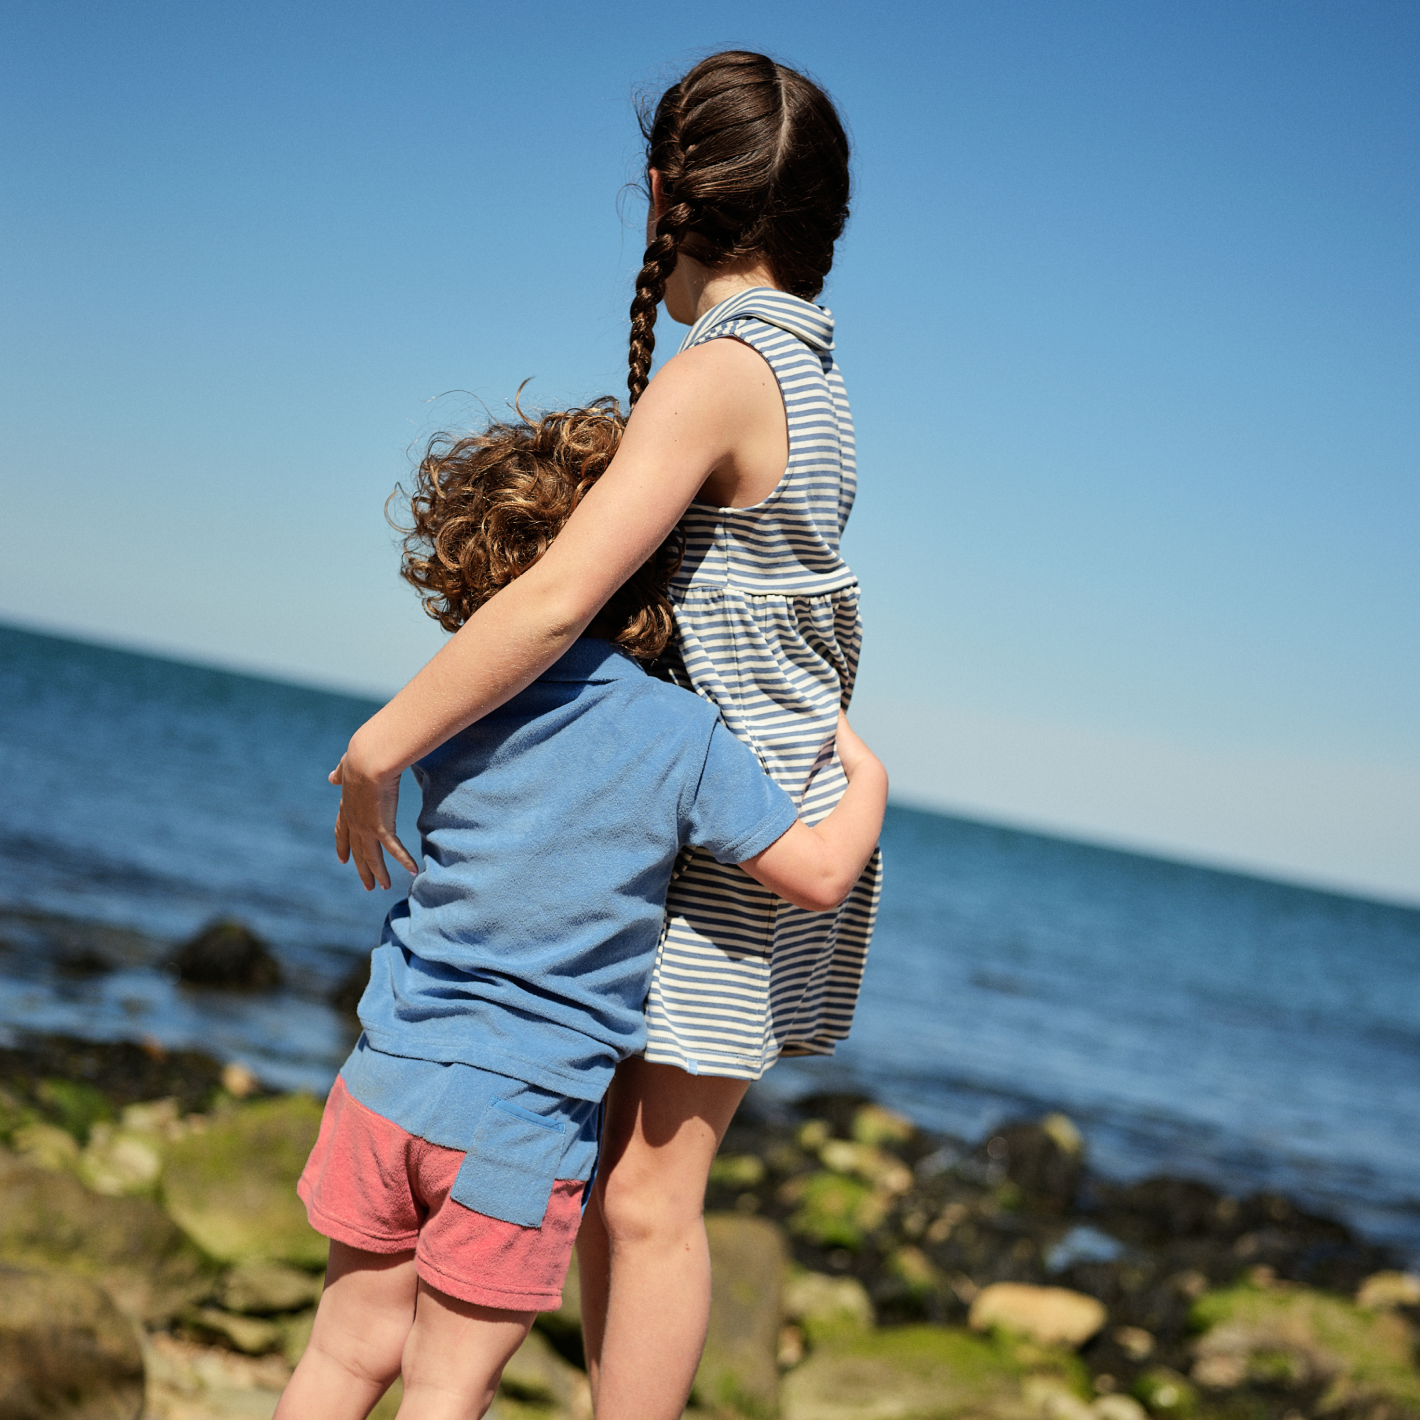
{"x": 459, "y": 1141}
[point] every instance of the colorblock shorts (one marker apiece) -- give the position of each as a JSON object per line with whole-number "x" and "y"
{"x": 492, "y": 1223}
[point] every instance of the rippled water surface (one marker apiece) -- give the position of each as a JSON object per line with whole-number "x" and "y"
{"x": 1205, "y": 1023}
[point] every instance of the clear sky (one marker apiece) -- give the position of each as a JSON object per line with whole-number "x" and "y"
{"x": 1127, "y": 308}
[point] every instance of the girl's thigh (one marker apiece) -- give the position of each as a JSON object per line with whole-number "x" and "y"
{"x": 662, "y": 1129}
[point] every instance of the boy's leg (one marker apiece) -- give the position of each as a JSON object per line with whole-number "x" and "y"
{"x": 361, "y": 1326}
{"x": 455, "y": 1354}
{"x": 643, "y": 1259}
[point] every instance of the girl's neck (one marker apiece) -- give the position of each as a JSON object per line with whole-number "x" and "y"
{"x": 692, "y": 288}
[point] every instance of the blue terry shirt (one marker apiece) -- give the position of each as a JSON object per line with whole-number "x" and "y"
{"x": 550, "y": 829}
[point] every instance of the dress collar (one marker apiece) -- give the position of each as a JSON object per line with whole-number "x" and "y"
{"x": 812, "y": 324}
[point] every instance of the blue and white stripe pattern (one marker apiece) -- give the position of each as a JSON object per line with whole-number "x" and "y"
{"x": 768, "y": 629}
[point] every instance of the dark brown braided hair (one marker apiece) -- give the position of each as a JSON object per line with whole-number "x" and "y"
{"x": 753, "y": 162}
{"x": 486, "y": 507}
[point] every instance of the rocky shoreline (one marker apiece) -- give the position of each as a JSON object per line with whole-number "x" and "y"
{"x": 155, "y": 1262}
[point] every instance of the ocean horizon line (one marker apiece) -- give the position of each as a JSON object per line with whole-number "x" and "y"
{"x": 907, "y": 802}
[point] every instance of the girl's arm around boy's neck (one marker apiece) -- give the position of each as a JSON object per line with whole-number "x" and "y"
{"x": 815, "y": 867}
{"x": 688, "y": 425}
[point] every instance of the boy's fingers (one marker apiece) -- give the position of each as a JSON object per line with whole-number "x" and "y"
{"x": 400, "y": 854}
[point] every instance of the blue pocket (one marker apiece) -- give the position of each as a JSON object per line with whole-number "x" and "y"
{"x": 509, "y": 1171}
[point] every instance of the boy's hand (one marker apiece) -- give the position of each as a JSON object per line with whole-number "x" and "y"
{"x": 365, "y": 823}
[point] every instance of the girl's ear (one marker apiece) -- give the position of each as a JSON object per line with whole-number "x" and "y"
{"x": 658, "y": 192}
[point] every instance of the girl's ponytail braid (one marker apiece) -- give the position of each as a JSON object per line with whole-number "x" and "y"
{"x": 660, "y": 258}
{"x": 658, "y": 264}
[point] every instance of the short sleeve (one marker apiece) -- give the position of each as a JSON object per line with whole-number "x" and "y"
{"x": 737, "y": 810}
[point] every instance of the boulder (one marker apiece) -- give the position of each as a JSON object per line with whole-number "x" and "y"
{"x": 251, "y": 1335}
{"x": 121, "y": 1161}
{"x": 258, "y": 1287}
{"x": 906, "y": 1373}
{"x": 739, "y": 1369}
{"x": 1288, "y": 1337}
{"x": 1049, "y": 1315}
{"x": 537, "y": 1375}
{"x": 826, "y": 1306}
{"x": 128, "y": 1244}
{"x": 878, "y": 1127}
{"x": 1044, "y": 1160}
{"x": 1382, "y": 1290}
{"x": 66, "y": 1353}
{"x": 227, "y": 955}
{"x": 232, "y": 1187}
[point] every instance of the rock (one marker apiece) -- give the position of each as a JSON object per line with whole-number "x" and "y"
{"x": 66, "y": 1353}
{"x": 115, "y": 1073}
{"x": 189, "y": 1380}
{"x": 906, "y": 1373}
{"x": 1052, "y": 1399}
{"x": 121, "y": 1161}
{"x": 826, "y": 1306}
{"x": 346, "y": 996}
{"x": 257, "y": 1287}
{"x": 887, "y": 1174}
{"x": 239, "y": 1080}
{"x": 1289, "y": 1337}
{"x": 1134, "y": 1341}
{"x": 296, "y": 1334}
{"x": 1043, "y": 1160}
{"x": 227, "y": 955}
{"x": 1389, "y": 1289}
{"x": 1158, "y": 1210}
{"x": 563, "y": 1328}
{"x": 834, "y": 1210}
{"x": 739, "y": 1369}
{"x": 737, "y": 1170}
{"x": 1117, "y": 1407}
{"x": 248, "y": 1334}
{"x": 875, "y": 1126}
{"x": 47, "y": 1146}
{"x": 232, "y": 1188}
{"x": 1166, "y": 1393}
{"x": 1050, "y": 1315}
{"x": 537, "y": 1375}
{"x": 128, "y": 1244}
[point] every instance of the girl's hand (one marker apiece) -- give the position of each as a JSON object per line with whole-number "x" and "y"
{"x": 365, "y": 822}
{"x": 851, "y": 750}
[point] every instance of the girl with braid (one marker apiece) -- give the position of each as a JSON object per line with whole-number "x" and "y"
{"x": 744, "y": 442}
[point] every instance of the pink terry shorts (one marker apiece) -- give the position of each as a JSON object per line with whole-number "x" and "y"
{"x": 371, "y": 1185}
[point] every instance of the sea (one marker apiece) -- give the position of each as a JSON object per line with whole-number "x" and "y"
{"x": 1248, "y": 1033}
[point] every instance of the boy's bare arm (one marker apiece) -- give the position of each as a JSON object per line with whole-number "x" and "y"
{"x": 815, "y": 867}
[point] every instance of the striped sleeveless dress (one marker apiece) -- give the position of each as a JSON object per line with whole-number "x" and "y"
{"x": 768, "y": 629}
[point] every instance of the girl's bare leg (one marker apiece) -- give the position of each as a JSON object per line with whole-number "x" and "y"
{"x": 643, "y": 1259}
{"x": 361, "y": 1327}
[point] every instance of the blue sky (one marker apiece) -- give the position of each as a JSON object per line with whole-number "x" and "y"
{"x": 1127, "y": 307}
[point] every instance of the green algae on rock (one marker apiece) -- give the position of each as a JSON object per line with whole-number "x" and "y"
{"x": 130, "y": 1245}
{"x": 232, "y": 1186}
{"x": 918, "y": 1373}
{"x": 1283, "y": 1336}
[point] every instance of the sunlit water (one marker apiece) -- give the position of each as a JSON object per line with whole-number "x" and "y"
{"x": 1203, "y": 1023}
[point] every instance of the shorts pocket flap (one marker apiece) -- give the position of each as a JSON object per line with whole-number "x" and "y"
{"x": 509, "y": 1171}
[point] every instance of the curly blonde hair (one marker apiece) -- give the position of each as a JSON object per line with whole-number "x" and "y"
{"x": 485, "y": 507}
